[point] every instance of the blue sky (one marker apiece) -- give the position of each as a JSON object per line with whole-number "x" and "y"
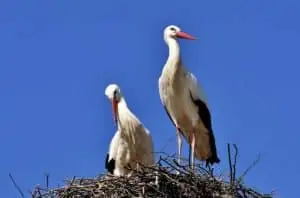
{"x": 57, "y": 57}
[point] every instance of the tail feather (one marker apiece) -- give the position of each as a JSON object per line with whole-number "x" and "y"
{"x": 110, "y": 165}
{"x": 205, "y": 145}
{"x": 214, "y": 157}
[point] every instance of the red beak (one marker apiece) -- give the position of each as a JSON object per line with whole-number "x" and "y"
{"x": 184, "y": 35}
{"x": 115, "y": 110}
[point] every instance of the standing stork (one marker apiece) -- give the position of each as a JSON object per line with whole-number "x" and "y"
{"x": 185, "y": 103}
{"x": 136, "y": 138}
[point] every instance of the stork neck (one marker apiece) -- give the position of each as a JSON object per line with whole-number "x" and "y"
{"x": 122, "y": 107}
{"x": 174, "y": 54}
{"x": 174, "y": 50}
{"x": 122, "y": 104}
{"x": 126, "y": 122}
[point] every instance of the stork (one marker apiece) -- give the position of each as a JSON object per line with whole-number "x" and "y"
{"x": 185, "y": 103}
{"x": 136, "y": 138}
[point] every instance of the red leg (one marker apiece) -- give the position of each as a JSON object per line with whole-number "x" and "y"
{"x": 193, "y": 148}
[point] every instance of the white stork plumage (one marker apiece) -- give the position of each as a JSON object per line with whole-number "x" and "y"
{"x": 118, "y": 158}
{"x": 185, "y": 103}
{"x": 136, "y": 139}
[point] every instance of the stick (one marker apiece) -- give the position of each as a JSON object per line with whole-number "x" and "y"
{"x": 16, "y": 186}
{"x": 230, "y": 164}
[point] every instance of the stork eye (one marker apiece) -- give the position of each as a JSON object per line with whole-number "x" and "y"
{"x": 173, "y": 29}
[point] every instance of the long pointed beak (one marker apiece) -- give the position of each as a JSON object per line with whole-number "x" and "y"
{"x": 184, "y": 35}
{"x": 115, "y": 111}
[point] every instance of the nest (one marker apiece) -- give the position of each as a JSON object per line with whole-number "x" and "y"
{"x": 166, "y": 179}
{"x": 163, "y": 180}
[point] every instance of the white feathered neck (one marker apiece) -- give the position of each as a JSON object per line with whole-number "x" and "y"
{"x": 173, "y": 61}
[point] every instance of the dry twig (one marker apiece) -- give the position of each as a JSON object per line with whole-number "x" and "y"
{"x": 16, "y": 186}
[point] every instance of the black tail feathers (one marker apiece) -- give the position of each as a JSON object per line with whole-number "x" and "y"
{"x": 110, "y": 165}
{"x": 213, "y": 159}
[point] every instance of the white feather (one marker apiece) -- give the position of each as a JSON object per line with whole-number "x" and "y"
{"x": 195, "y": 87}
{"x": 120, "y": 152}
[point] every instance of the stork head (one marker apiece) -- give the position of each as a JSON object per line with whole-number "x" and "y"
{"x": 113, "y": 93}
{"x": 173, "y": 31}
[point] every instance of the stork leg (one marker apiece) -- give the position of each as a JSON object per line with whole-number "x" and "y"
{"x": 190, "y": 149}
{"x": 179, "y": 142}
{"x": 193, "y": 149}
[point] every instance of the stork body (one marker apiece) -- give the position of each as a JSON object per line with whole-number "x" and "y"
{"x": 137, "y": 139}
{"x": 118, "y": 158}
{"x": 185, "y": 102}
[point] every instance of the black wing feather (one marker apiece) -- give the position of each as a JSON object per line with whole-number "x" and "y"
{"x": 205, "y": 116}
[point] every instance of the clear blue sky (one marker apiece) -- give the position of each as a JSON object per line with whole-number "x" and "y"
{"x": 57, "y": 57}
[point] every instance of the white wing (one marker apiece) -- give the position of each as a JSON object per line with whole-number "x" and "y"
{"x": 195, "y": 88}
{"x": 149, "y": 147}
{"x": 119, "y": 151}
{"x": 161, "y": 95}
{"x": 114, "y": 145}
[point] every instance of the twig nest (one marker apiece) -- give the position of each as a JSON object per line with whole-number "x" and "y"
{"x": 159, "y": 181}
